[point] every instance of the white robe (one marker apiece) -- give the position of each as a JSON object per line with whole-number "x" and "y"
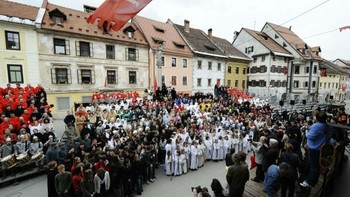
{"x": 177, "y": 165}
{"x": 208, "y": 149}
{"x": 184, "y": 163}
{"x": 194, "y": 158}
{"x": 168, "y": 165}
{"x": 216, "y": 150}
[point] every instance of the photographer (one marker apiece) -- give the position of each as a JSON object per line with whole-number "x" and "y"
{"x": 256, "y": 146}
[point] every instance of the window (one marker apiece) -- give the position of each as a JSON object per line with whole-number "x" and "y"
{"x": 111, "y": 77}
{"x": 199, "y": 82}
{"x": 263, "y": 59}
{"x": 86, "y": 99}
{"x": 63, "y": 103}
{"x": 60, "y": 76}
{"x": 263, "y": 69}
{"x": 314, "y": 84}
{"x": 110, "y": 52}
{"x": 132, "y": 77}
{"x": 284, "y": 83}
{"x": 306, "y": 84}
{"x": 184, "y": 63}
{"x": 219, "y": 66}
{"x": 15, "y": 73}
{"x": 329, "y": 85}
{"x": 296, "y": 84}
{"x": 199, "y": 63}
{"x": 173, "y": 80}
{"x": 86, "y": 76}
{"x": 244, "y": 70}
{"x": 163, "y": 79}
{"x": 273, "y": 58}
{"x": 249, "y": 49}
{"x": 229, "y": 69}
{"x": 237, "y": 70}
{"x": 132, "y": 54}
{"x": 297, "y": 70}
{"x": 162, "y": 61}
{"x": 255, "y": 59}
{"x": 229, "y": 83}
{"x": 307, "y": 69}
{"x": 209, "y": 82}
{"x": 273, "y": 68}
{"x": 84, "y": 49}
{"x": 12, "y": 40}
{"x": 61, "y": 46}
{"x": 320, "y": 84}
{"x": 173, "y": 62}
{"x": 336, "y": 85}
{"x": 236, "y": 83}
{"x": 58, "y": 20}
{"x": 209, "y": 65}
{"x": 315, "y": 70}
{"x": 184, "y": 80}
{"x": 285, "y": 59}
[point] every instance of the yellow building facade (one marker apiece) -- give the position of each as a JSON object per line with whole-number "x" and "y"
{"x": 236, "y": 74}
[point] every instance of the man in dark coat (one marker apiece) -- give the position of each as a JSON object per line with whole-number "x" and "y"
{"x": 237, "y": 175}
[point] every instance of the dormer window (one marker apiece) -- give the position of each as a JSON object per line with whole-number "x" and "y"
{"x": 57, "y": 16}
{"x": 158, "y": 40}
{"x": 209, "y": 48}
{"x": 179, "y": 45}
{"x": 129, "y": 31}
{"x": 159, "y": 29}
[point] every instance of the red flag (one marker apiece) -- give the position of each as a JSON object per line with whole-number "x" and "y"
{"x": 117, "y": 12}
{"x": 155, "y": 86}
{"x": 323, "y": 72}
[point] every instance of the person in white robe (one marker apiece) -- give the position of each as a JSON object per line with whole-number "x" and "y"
{"x": 177, "y": 164}
{"x": 216, "y": 149}
{"x": 208, "y": 148}
{"x": 168, "y": 163}
{"x": 184, "y": 161}
{"x": 194, "y": 156}
{"x": 201, "y": 148}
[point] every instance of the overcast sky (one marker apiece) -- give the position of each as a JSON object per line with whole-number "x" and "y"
{"x": 227, "y": 16}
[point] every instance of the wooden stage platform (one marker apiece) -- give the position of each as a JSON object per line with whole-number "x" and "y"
{"x": 254, "y": 189}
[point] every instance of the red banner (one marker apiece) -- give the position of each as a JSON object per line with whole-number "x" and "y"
{"x": 116, "y": 13}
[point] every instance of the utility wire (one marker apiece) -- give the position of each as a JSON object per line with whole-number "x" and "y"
{"x": 299, "y": 15}
{"x": 307, "y": 11}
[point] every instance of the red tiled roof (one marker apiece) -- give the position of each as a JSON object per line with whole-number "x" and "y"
{"x": 76, "y": 24}
{"x": 155, "y": 31}
{"x": 269, "y": 43}
{"x": 22, "y": 11}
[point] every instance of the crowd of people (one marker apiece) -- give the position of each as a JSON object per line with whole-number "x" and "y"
{"x": 26, "y": 126}
{"x": 116, "y": 143}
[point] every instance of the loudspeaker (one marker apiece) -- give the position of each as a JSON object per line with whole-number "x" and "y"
{"x": 331, "y": 97}
{"x": 281, "y": 103}
{"x": 292, "y": 102}
{"x": 304, "y": 102}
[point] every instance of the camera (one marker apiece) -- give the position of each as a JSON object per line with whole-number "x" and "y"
{"x": 198, "y": 189}
{"x": 250, "y": 140}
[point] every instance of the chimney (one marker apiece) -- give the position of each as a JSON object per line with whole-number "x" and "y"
{"x": 187, "y": 26}
{"x": 210, "y": 32}
{"x": 290, "y": 28}
{"x": 235, "y": 34}
{"x": 44, "y": 4}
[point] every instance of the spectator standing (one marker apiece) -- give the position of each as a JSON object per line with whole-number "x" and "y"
{"x": 237, "y": 175}
{"x": 51, "y": 179}
{"x": 63, "y": 182}
{"x": 316, "y": 137}
{"x": 272, "y": 178}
